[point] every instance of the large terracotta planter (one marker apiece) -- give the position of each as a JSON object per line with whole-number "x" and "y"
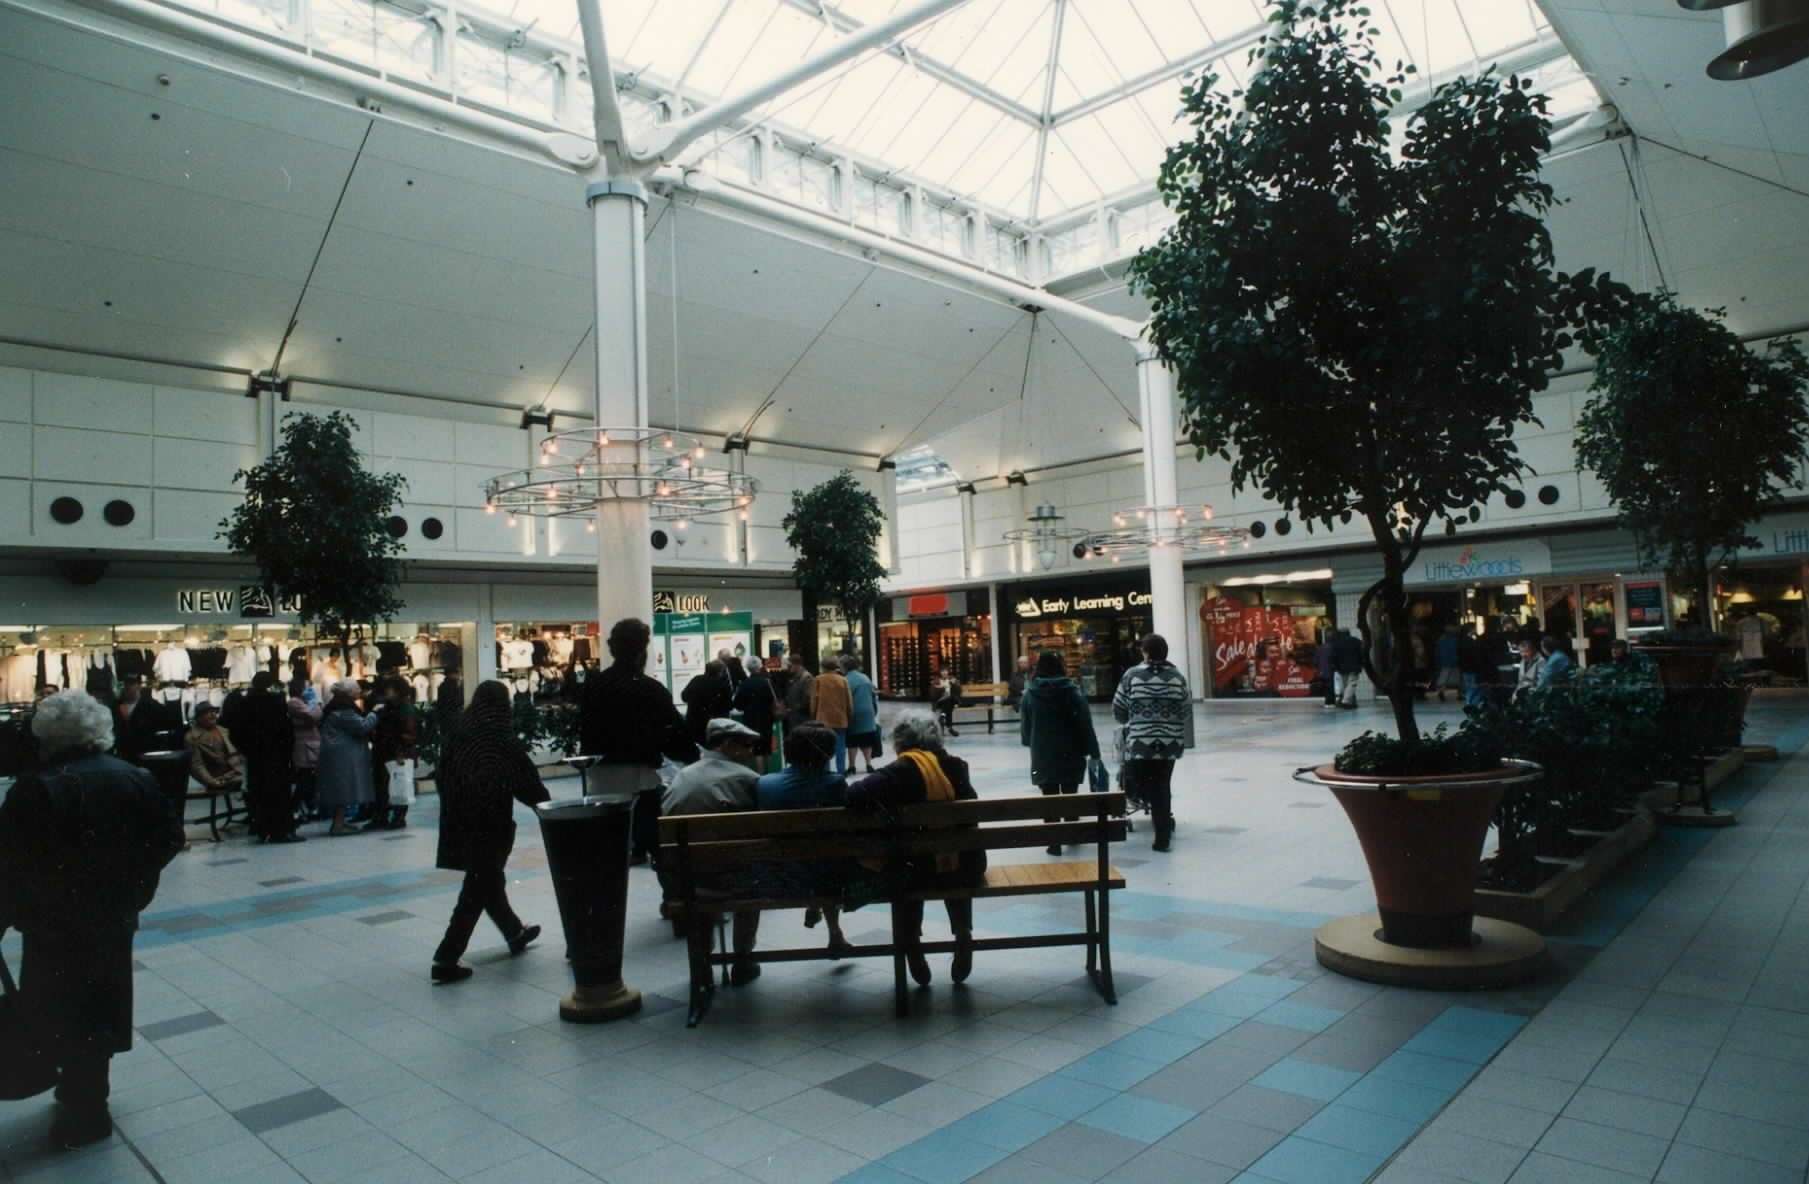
{"x": 1422, "y": 838}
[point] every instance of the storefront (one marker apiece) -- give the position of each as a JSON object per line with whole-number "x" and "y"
{"x": 928, "y": 632}
{"x": 1261, "y": 632}
{"x": 1759, "y": 603}
{"x": 1095, "y": 624}
{"x": 774, "y": 612}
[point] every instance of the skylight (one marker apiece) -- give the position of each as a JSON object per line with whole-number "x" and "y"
{"x": 1030, "y": 111}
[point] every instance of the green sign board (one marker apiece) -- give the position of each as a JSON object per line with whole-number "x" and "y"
{"x": 683, "y": 642}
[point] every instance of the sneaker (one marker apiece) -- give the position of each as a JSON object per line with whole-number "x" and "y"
{"x": 743, "y": 973}
{"x": 1162, "y": 839}
{"x": 919, "y": 967}
{"x": 70, "y": 1130}
{"x": 521, "y": 941}
{"x": 963, "y": 965}
{"x": 450, "y": 972}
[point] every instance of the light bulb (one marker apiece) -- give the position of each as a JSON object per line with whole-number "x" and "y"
{"x": 685, "y": 461}
{"x": 552, "y": 445}
{"x": 667, "y": 442}
{"x": 700, "y": 452}
{"x": 1206, "y": 513}
{"x": 1114, "y": 559}
{"x": 602, "y": 439}
{"x": 744, "y": 515}
{"x": 489, "y": 507}
{"x": 552, "y": 493}
{"x": 580, "y": 470}
{"x": 590, "y": 528}
{"x": 511, "y": 522}
{"x": 681, "y": 524}
{"x": 1117, "y": 519}
{"x": 664, "y": 489}
{"x": 744, "y": 501}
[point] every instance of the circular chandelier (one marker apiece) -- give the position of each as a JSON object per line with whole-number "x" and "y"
{"x": 1142, "y": 528}
{"x": 580, "y": 469}
{"x": 1046, "y": 533}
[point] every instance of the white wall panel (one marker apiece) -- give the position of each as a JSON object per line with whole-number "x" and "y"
{"x": 413, "y": 436}
{"x": 491, "y": 447}
{"x": 200, "y": 464}
{"x": 67, "y": 454}
{"x": 1555, "y": 453}
{"x": 468, "y": 484}
{"x": 429, "y": 482}
{"x": 77, "y": 401}
{"x": 15, "y": 451}
{"x": 203, "y": 415}
{"x": 15, "y": 513}
{"x": 487, "y": 534}
{"x": 193, "y": 517}
{"x": 93, "y": 528}
{"x": 567, "y": 539}
{"x": 15, "y": 395}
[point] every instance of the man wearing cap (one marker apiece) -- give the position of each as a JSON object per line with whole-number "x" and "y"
{"x": 721, "y": 780}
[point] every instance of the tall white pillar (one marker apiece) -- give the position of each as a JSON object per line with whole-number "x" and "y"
{"x": 1156, "y": 395}
{"x": 624, "y": 546}
{"x": 997, "y": 621}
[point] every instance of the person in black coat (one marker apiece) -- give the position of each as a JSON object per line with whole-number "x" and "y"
{"x": 707, "y": 696}
{"x": 140, "y": 721}
{"x": 757, "y": 702}
{"x": 267, "y": 739}
{"x": 83, "y": 841}
{"x": 483, "y": 772}
{"x": 628, "y": 719}
{"x": 924, "y": 772}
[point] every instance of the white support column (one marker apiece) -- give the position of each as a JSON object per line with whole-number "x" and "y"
{"x": 999, "y": 673}
{"x": 624, "y": 547}
{"x": 485, "y": 642}
{"x": 968, "y": 531}
{"x": 1156, "y": 393}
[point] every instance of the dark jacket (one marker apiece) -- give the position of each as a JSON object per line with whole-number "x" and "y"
{"x": 394, "y": 739}
{"x": 627, "y": 718}
{"x": 756, "y": 704}
{"x": 82, "y": 843}
{"x": 707, "y": 697}
{"x": 798, "y": 698}
{"x": 483, "y": 772}
{"x": 900, "y": 784}
{"x": 1347, "y": 654}
{"x": 142, "y": 730}
{"x": 265, "y": 735}
{"x": 1056, "y": 725}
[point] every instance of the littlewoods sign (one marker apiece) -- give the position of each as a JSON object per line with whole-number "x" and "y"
{"x": 1031, "y": 607}
{"x": 1478, "y": 562}
{"x": 247, "y": 601}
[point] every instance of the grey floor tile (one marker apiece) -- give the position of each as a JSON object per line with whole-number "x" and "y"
{"x": 1629, "y": 1112}
{"x": 1083, "y": 1151}
{"x": 1626, "y": 1151}
{"x": 1647, "y": 1081}
{"x": 1539, "y": 1168}
{"x": 180, "y": 1026}
{"x": 280, "y": 1112}
{"x": 1265, "y": 1038}
{"x": 875, "y": 1084}
{"x": 386, "y": 918}
{"x": 1329, "y": 883}
{"x": 1161, "y": 1166}
{"x": 1355, "y": 1054}
{"x": 1456, "y": 1156}
{"x": 1017, "y": 1169}
{"x": 1265, "y": 1107}
{"x": 1689, "y": 1164}
{"x": 1788, "y": 1147}
{"x": 1221, "y": 1140}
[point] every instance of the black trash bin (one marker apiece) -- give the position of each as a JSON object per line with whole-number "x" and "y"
{"x": 587, "y": 854}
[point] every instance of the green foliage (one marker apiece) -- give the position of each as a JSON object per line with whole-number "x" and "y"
{"x": 1692, "y": 433}
{"x": 834, "y": 528}
{"x": 1358, "y": 331}
{"x": 1440, "y": 752}
{"x": 550, "y": 726}
{"x": 316, "y": 524}
{"x": 1601, "y": 737}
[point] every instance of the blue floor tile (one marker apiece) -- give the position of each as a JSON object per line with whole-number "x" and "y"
{"x": 1004, "y": 1124}
{"x": 1164, "y": 1048}
{"x": 1301, "y": 1161}
{"x": 1302, "y": 1017}
{"x": 1205, "y": 1025}
{"x": 1143, "y": 1119}
{"x": 1479, "y": 1021}
{"x": 1064, "y": 1097}
{"x": 1306, "y": 1078}
{"x": 1358, "y": 1130}
{"x": 1476, "y": 1048}
{"x": 1444, "y": 1073}
{"x": 876, "y": 1173}
{"x": 1114, "y": 1070}
{"x": 943, "y": 1158}
{"x": 1395, "y": 1098}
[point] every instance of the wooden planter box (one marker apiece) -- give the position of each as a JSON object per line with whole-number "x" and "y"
{"x": 1541, "y": 908}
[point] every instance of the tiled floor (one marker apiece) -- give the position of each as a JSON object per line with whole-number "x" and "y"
{"x": 287, "y": 1029}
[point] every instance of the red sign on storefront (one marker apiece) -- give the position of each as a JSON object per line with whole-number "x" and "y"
{"x": 929, "y": 604}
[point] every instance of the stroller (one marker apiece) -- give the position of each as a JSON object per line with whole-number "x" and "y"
{"x": 1134, "y": 802}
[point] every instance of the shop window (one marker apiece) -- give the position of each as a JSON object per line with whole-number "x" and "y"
{"x": 66, "y": 511}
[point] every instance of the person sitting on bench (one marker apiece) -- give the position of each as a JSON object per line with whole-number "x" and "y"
{"x": 806, "y": 783}
{"x": 720, "y": 781}
{"x": 924, "y": 772}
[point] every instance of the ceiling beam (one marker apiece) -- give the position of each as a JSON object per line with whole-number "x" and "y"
{"x": 1143, "y": 82}
{"x": 1042, "y": 125}
{"x": 841, "y": 22}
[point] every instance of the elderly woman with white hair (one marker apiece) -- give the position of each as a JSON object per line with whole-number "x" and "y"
{"x": 83, "y": 840}
{"x": 925, "y": 772}
{"x": 344, "y": 779}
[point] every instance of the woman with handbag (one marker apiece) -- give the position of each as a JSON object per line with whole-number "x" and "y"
{"x": 1056, "y": 725}
{"x": 83, "y": 840}
{"x": 1156, "y": 709}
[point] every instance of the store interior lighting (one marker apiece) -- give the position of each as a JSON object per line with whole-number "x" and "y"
{"x": 1290, "y": 577}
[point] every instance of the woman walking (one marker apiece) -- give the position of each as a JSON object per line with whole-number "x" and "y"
{"x": 304, "y": 721}
{"x": 483, "y": 772}
{"x": 1153, "y": 704}
{"x": 1056, "y": 725}
{"x": 344, "y": 779}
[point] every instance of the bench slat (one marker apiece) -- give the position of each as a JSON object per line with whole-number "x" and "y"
{"x": 953, "y": 841}
{"x": 1017, "y": 879}
{"x": 744, "y": 824}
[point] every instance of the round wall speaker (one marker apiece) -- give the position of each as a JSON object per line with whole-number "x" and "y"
{"x": 1548, "y": 495}
{"x": 432, "y": 528}
{"x": 119, "y": 512}
{"x": 397, "y": 526}
{"x": 66, "y": 510}
{"x": 659, "y": 539}
{"x": 1515, "y": 498}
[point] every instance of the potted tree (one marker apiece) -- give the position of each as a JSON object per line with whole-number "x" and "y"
{"x": 316, "y": 523}
{"x": 1692, "y": 434}
{"x": 834, "y": 530}
{"x": 1359, "y": 325}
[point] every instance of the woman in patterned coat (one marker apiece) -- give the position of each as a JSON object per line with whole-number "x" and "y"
{"x": 1156, "y": 709}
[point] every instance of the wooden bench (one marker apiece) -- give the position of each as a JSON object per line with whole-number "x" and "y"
{"x": 708, "y": 845}
{"x": 987, "y": 698}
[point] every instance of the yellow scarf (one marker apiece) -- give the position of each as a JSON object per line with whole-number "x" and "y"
{"x": 936, "y": 788}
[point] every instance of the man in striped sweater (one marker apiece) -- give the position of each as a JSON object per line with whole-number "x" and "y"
{"x": 1156, "y": 709}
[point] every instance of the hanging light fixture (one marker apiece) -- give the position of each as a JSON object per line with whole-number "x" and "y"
{"x": 1763, "y": 36}
{"x": 582, "y": 469}
{"x": 1046, "y": 534}
{"x": 1146, "y": 528}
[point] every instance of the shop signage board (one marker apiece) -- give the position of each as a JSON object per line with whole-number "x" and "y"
{"x": 928, "y": 604}
{"x": 1482, "y": 562}
{"x": 1645, "y": 604}
{"x": 1781, "y": 534}
{"x": 684, "y": 642}
{"x": 1252, "y": 646}
{"x": 665, "y": 600}
{"x": 248, "y": 602}
{"x": 1078, "y": 603}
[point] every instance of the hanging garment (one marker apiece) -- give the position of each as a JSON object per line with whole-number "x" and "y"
{"x": 450, "y": 657}
{"x": 56, "y": 675}
{"x": 19, "y": 678}
{"x": 241, "y": 663}
{"x": 207, "y": 662}
{"x": 561, "y": 649}
{"x": 422, "y": 685}
{"x": 97, "y": 674}
{"x": 132, "y": 663}
{"x": 518, "y": 655}
{"x": 392, "y": 656}
{"x": 172, "y": 665}
{"x": 420, "y": 653}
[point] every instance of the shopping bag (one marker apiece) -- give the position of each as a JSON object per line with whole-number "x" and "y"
{"x": 25, "y": 1069}
{"x": 1098, "y": 780}
{"x": 401, "y": 783}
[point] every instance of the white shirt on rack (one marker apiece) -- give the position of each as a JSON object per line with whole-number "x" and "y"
{"x": 420, "y": 653}
{"x": 241, "y": 664}
{"x": 54, "y": 676}
{"x": 518, "y": 655}
{"x": 172, "y": 665}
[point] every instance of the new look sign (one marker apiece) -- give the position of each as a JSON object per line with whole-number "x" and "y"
{"x": 1481, "y": 562}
